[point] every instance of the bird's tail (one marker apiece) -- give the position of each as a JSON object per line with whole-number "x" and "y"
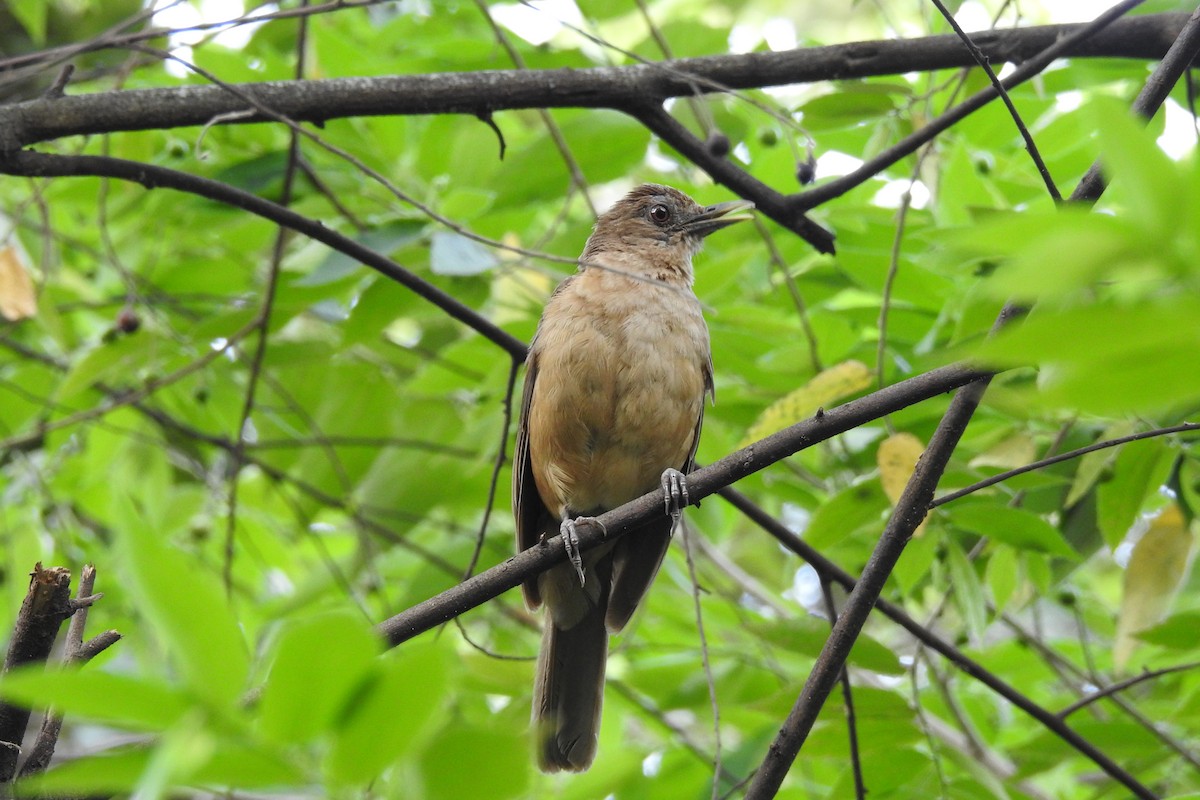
{"x": 568, "y": 691}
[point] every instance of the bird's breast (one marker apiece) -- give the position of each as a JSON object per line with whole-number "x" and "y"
{"x": 620, "y": 388}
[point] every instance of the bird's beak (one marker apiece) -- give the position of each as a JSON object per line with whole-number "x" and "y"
{"x": 713, "y": 218}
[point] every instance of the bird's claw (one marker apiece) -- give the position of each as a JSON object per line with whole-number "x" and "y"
{"x": 570, "y": 539}
{"x": 675, "y": 493}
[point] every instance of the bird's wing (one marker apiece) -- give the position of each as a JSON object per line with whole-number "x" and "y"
{"x": 710, "y": 389}
{"x": 529, "y": 511}
{"x": 638, "y": 555}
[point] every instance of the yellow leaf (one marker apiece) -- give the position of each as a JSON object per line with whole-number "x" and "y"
{"x": 897, "y": 457}
{"x": 17, "y": 298}
{"x": 1156, "y": 570}
{"x": 825, "y": 388}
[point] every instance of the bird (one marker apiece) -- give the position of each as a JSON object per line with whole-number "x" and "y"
{"x": 616, "y": 379}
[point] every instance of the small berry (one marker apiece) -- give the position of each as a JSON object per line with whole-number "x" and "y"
{"x": 806, "y": 171}
{"x": 718, "y": 144}
{"x": 128, "y": 320}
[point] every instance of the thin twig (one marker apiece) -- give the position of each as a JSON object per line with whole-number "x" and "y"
{"x": 705, "y": 661}
{"x": 497, "y": 464}
{"x": 982, "y": 60}
{"x": 1046, "y": 462}
{"x": 1121, "y": 686}
{"x": 909, "y": 144}
{"x": 262, "y": 323}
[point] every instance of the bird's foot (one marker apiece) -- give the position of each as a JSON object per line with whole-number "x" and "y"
{"x": 675, "y": 493}
{"x": 570, "y": 537}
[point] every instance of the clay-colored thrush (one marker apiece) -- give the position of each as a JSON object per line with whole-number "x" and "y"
{"x": 613, "y": 402}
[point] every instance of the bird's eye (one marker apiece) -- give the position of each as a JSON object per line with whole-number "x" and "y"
{"x": 659, "y": 213}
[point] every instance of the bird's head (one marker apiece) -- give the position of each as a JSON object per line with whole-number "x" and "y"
{"x": 658, "y": 227}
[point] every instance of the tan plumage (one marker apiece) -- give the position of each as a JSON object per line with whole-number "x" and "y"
{"x": 614, "y": 395}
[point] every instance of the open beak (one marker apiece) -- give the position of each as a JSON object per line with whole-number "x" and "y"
{"x": 713, "y": 218}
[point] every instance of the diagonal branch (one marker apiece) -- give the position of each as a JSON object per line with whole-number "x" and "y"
{"x": 831, "y": 573}
{"x": 701, "y": 484}
{"x": 908, "y": 514}
{"x": 33, "y": 164}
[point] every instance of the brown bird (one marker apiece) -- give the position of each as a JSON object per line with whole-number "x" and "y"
{"x": 613, "y": 403}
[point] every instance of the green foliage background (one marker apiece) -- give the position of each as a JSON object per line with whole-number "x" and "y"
{"x": 248, "y": 660}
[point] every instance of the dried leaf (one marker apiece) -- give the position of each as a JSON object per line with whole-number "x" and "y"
{"x": 17, "y": 298}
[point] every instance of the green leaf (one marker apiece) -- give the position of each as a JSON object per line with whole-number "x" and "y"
{"x": 119, "y": 700}
{"x": 393, "y": 708}
{"x": 185, "y": 604}
{"x": 1176, "y": 632}
{"x": 1012, "y": 526}
{"x": 500, "y": 764}
{"x": 244, "y": 764}
{"x": 1140, "y": 469}
{"x": 318, "y": 663}
{"x": 121, "y": 361}
{"x": 262, "y": 175}
{"x": 1002, "y": 576}
{"x": 1134, "y": 357}
{"x": 846, "y": 512}
{"x": 385, "y": 239}
{"x": 32, "y": 16}
{"x": 968, "y": 591}
{"x": 613, "y": 143}
{"x": 1093, "y": 464}
{"x": 112, "y": 772}
{"x": 807, "y": 636}
{"x": 1155, "y": 192}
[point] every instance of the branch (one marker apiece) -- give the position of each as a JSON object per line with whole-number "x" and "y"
{"x": 1046, "y": 462}
{"x": 1177, "y": 60}
{"x": 831, "y": 572}
{"x": 1146, "y": 37}
{"x": 909, "y": 144}
{"x": 1121, "y": 686}
{"x": 75, "y": 651}
{"x": 701, "y": 484}
{"x": 33, "y": 164}
{"x": 46, "y": 605}
{"x": 908, "y": 514}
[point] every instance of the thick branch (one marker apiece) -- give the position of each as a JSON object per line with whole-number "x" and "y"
{"x": 73, "y": 652}
{"x": 46, "y": 605}
{"x": 910, "y": 511}
{"x": 831, "y": 572}
{"x": 1146, "y": 37}
{"x": 701, "y": 484}
{"x": 1177, "y": 60}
